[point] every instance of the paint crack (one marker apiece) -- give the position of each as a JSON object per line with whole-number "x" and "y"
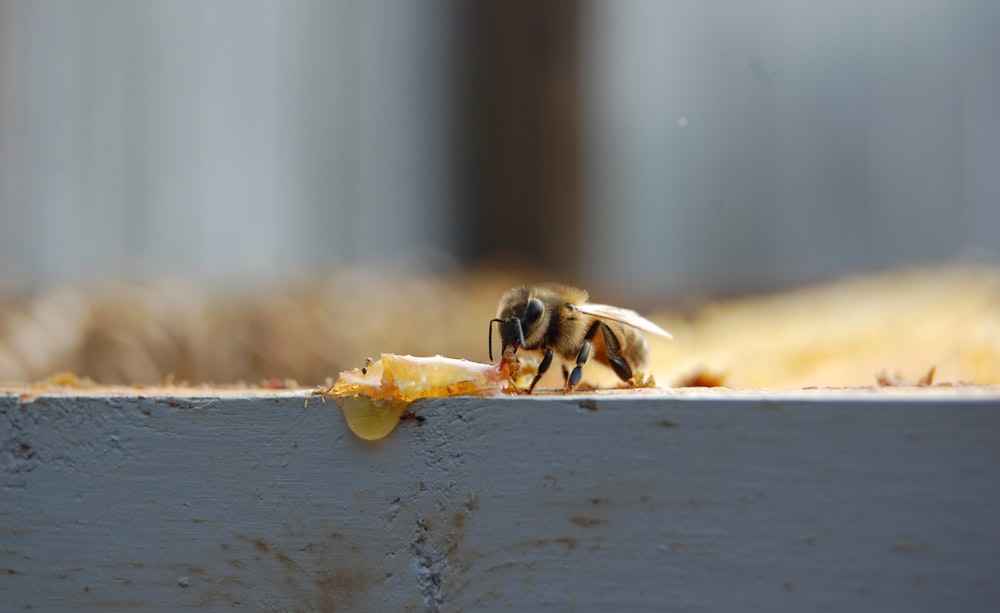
{"x": 429, "y": 566}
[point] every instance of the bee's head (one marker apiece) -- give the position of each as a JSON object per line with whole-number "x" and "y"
{"x": 517, "y": 322}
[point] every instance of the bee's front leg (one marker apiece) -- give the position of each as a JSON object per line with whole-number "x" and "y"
{"x": 544, "y": 366}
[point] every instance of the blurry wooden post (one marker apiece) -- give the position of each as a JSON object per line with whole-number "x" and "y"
{"x": 521, "y": 136}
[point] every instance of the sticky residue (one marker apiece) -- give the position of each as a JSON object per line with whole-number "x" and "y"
{"x": 373, "y": 398}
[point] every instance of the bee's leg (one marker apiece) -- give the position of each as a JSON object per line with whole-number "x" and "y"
{"x": 613, "y": 348}
{"x": 582, "y": 355}
{"x": 544, "y": 366}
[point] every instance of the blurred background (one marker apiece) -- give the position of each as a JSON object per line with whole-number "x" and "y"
{"x": 224, "y": 190}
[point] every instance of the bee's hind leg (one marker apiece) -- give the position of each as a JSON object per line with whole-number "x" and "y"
{"x": 614, "y": 350}
{"x": 621, "y": 368}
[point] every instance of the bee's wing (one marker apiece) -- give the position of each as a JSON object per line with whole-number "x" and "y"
{"x": 625, "y": 316}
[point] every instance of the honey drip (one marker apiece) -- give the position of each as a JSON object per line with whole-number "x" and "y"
{"x": 374, "y": 398}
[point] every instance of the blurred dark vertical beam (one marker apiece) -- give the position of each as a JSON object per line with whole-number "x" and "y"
{"x": 521, "y": 134}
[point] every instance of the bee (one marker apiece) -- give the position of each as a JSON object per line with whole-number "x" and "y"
{"x": 557, "y": 320}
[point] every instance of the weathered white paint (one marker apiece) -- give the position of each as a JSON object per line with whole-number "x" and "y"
{"x": 691, "y": 502}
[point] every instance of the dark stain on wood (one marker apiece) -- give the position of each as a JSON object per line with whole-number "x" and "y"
{"x": 587, "y": 522}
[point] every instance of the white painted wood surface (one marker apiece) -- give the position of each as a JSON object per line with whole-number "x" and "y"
{"x": 687, "y": 502}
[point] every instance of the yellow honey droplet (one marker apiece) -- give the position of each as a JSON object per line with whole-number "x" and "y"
{"x": 373, "y": 398}
{"x": 371, "y": 420}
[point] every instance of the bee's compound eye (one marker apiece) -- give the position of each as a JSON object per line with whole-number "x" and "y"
{"x": 533, "y": 310}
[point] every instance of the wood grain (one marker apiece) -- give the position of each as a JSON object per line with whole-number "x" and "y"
{"x": 701, "y": 500}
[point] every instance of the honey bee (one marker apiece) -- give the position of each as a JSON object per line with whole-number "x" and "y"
{"x": 557, "y": 320}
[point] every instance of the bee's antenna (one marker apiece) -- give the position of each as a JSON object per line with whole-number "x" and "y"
{"x": 520, "y": 331}
{"x": 493, "y": 321}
